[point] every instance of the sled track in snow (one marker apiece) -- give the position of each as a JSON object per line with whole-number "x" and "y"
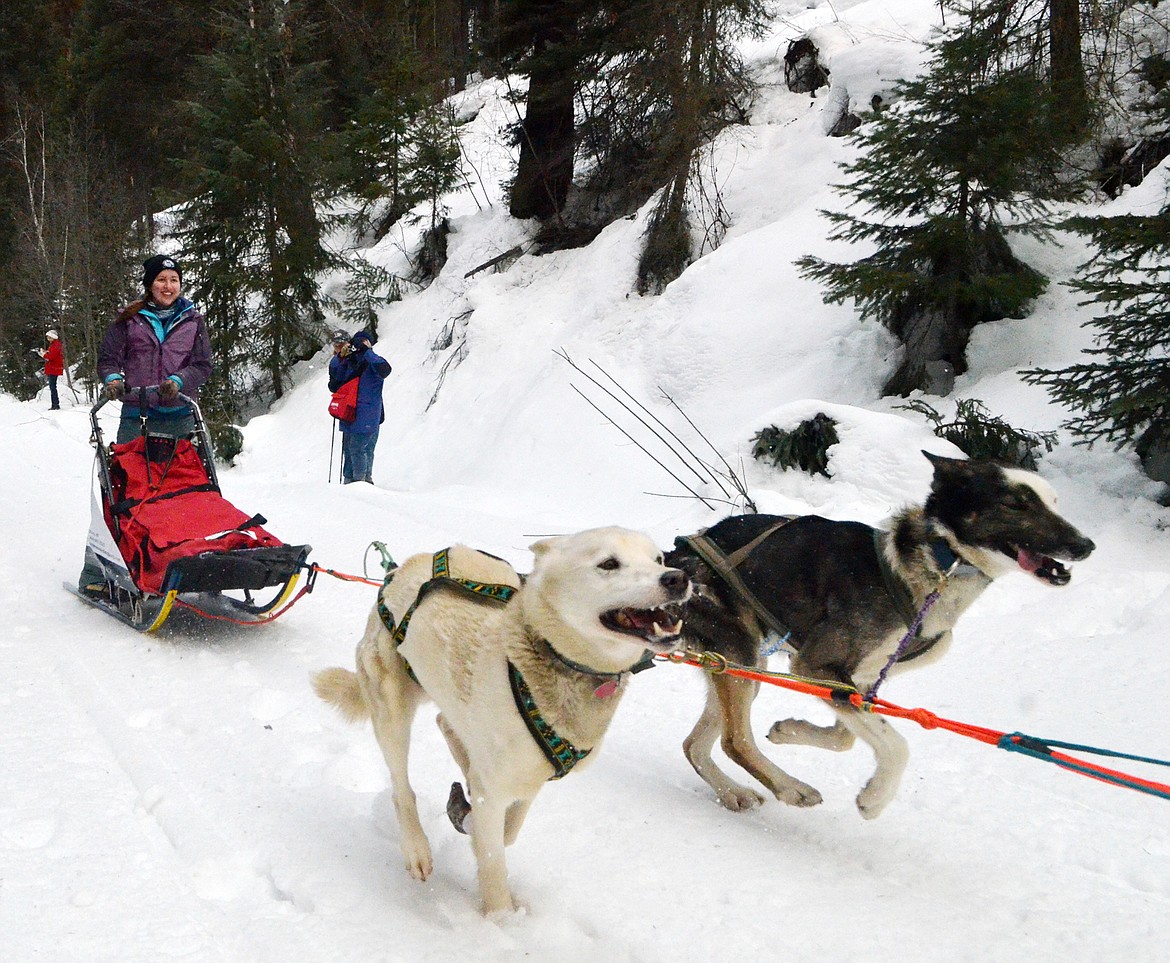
{"x": 163, "y": 795}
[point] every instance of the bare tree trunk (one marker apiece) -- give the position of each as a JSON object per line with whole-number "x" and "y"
{"x": 70, "y": 253}
{"x": 1068, "y": 69}
{"x": 547, "y": 135}
{"x": 31, "y": 148}
{"x": 545, "y": 170}
{"x": 462, "y": 43}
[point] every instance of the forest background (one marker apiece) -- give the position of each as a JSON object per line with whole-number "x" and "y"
{"x": 267, "y": 142}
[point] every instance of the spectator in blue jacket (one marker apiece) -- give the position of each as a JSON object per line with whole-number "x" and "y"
{"x": 360, "y": 436}
{"x": 339, "y": 366}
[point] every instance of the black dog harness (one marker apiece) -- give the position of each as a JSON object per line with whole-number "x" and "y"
{"x": 561, "y": 754}
{"x": 725, "y": 566}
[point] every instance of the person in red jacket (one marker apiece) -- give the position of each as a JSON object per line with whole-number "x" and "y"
{"x": 54, "y": 366}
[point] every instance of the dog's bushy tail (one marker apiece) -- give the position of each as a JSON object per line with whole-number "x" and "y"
{"x": 339, "y": 687}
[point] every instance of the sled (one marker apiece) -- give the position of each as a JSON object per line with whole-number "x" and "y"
{"x": 163, "y": 536}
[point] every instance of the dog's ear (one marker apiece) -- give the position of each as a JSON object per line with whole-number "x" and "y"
{"x": 940, "y": 461}
{"x": 542, "y": 547}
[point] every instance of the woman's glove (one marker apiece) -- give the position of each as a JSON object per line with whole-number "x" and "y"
{"x": 115, "y": 389}
{"x": 168, "y": 390}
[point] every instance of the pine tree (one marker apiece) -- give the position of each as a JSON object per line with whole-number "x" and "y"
{"x": 34, "y": 41}
{"x": 378, "y": 144}
{"x": 432, "y": 169}
{"x": 359, "y": 42}
{"x": 130, "y": 68}
{"x": 968, "y": 148}
{"x": 373, "y": 48}
{"x": 1123, "y": 393}
{"x": 542, "y": 39}
{"x": 259, "y": 161}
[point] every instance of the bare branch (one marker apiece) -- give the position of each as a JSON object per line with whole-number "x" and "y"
{"x": 643, "y": 448}
{"x": 714, "y": 478}
{"x": 642, "y": 420}
{"x": 736, "y": 480}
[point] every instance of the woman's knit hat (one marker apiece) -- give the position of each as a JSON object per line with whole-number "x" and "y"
{"x": 152, "y": 267}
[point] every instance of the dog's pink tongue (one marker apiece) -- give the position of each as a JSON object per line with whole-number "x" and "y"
{"x": 606, "y": 689}
{"x": 1027, "y": 561}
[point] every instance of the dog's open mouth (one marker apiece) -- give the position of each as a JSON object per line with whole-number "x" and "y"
{"x": 1043, "y": 567}
{"x": 658, "y": 628}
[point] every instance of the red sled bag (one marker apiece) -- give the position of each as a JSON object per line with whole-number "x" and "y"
{"x": 343, "y": 404}
{"x": 168, "y": 509}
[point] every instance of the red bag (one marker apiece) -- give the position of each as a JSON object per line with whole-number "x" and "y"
{"x": 168, "y": 509}
{"x": 343, "y": 404}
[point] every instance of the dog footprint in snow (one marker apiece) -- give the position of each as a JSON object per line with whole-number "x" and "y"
{"x": 29, "y": 834}
{"x": 268, "y": 705}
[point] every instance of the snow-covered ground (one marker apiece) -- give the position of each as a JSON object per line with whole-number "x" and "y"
{"x": 186, "y": 797}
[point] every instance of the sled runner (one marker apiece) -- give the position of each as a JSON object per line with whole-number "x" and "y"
{"x": 161, "y": 533}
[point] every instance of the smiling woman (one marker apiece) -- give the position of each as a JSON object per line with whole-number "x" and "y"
{"x": 161, "y": 340}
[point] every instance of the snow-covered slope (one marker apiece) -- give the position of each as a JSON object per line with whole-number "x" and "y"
{"x": 186, "y": 797}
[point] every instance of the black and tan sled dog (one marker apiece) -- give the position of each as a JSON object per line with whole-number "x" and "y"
{"x": 846, "y": 595}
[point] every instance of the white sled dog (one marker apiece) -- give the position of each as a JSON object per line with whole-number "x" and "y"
{"x": 525, "y": 688}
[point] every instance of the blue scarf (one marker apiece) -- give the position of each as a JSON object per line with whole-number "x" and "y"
{"x": 161, "y": 319}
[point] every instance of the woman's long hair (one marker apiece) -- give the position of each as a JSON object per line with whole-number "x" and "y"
{"x": 130, "y": 310}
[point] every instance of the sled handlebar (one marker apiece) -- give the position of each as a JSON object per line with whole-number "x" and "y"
{"x": 199, "y": 435}
{"x": 131, "y": 393}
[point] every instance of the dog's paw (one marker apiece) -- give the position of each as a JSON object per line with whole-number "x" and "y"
{"x": 800, "y": 794}
{"x": 789, "y": 731}
{"x": 419, "y": 863}
{"x": 740, "y": 799}
{"x": 502, "y": 911}
{"x": 872, "y": 801}
{"x": 801, "y": 732}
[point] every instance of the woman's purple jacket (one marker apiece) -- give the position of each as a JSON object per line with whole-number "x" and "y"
{"x": 132, "y": 349}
